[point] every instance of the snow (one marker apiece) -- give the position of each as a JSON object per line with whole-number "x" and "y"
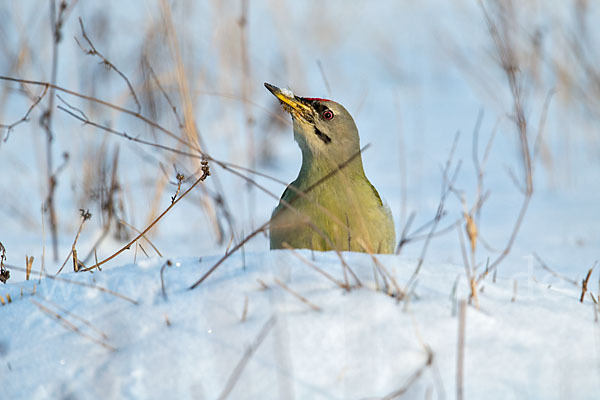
{"x": 361, "y": 344}
{"x": 287, "y": 92}
{"x": 398, "y": 70}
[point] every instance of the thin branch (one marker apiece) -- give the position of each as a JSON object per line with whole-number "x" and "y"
{"x": 93, "y": 52}
{"x": 25, "y": 117}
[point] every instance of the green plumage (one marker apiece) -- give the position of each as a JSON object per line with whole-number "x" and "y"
{"x": 334, "y": 204}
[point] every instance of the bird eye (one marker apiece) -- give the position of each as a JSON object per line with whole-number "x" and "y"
{"x": 328, "y": 114}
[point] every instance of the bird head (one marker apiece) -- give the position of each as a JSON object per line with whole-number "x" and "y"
{"x": 322, "y": 128}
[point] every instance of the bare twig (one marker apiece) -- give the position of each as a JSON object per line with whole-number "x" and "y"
{"x": 93, "y": 52}
{"x": 180, "y": 178}
{"x": 25, "y": 117}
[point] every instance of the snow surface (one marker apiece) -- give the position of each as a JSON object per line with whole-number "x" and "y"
{"x": 394, "y": 67}
{"x": 361, "y": 344}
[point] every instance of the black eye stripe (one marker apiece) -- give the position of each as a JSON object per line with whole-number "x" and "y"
{"x": 326, "y": 139}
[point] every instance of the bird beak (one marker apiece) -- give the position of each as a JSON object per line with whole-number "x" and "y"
{"x": 292, "y": 104}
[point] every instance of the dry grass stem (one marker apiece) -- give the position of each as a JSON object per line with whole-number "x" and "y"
{"x": 297, "y": 295}
{"x": 315, "y": 267}
{"x": 239, "y": 368}
{"x": 85, "y": 215}
{"x": 69, "y": 325}
{"x": 584, "y": 283}
{"x": 28, "y": 266}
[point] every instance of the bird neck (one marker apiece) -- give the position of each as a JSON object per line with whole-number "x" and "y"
{"x": 316, "y": 167}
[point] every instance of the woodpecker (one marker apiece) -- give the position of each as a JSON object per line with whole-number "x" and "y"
{"x": 331, "y": 205}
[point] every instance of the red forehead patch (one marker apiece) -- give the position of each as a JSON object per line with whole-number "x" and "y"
{"x": 315, "y": 99}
